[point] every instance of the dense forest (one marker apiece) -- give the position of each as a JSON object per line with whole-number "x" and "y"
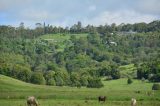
{"x": 84, "y": 60}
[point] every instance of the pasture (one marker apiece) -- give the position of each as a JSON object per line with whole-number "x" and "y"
{"x": 14, "y": 93}
{"x": 61, "y": 40}
{"x": 61, "y": 37}
{"x": 128, "y": 71}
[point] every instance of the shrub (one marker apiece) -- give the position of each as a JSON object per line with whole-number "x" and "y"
{"x": 155, "y": 78}
{"x": 94, "y": 83}
{"x": 51, "y": 82}
{"x": 108, "y": 78}
{"x": 59, "y": 81}
{"x": 129, "y": 81}
{"x": 37, "y": 78}
{"x": 84, "y": 81}
{"x": 115, "y": 74}
{"x": 156, "y": 87}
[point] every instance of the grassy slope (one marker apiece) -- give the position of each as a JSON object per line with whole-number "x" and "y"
{"x": 117, "y": 91}
{"x": 128, "y": 70}
{"x": 61, "y": 37}
{"x": 58, "y": 39}
{"x": 18, "y": 89}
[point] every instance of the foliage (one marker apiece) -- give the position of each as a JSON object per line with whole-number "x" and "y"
{"x": 149, "y": 70}
{"x": 70, "y": 56}
{"x": 94, "y": 83}
{"x": 115, "y": 73}
{"x": 129, "y": 81}
{"x": 51, "y": 82}
{"x": 37, "y": 78}
{"x": 156, "y": 87}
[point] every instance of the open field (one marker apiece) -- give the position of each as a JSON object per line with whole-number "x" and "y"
{"x": 128, "y": 70}
{"x": 55, "y": 102}
{"x": 61, "y": 37}
{"x": 61, "y": 40}
{"x": 14, "y": 93}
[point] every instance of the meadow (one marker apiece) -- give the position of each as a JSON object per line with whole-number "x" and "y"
{"x": 14, "y": 93}
{"x": 61, "y": 40}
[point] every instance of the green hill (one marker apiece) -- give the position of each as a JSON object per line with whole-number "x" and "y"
{"x": 13, "y": 91}
{"x": 18, "y": 89}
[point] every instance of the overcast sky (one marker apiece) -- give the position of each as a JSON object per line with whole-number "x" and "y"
{"x": 67, "y": 12}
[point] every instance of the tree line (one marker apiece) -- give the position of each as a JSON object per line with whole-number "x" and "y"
{"x": 41, "y": 29}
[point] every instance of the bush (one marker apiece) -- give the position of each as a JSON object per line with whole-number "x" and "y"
{"x": 51, "y": 82}
{"x": 37, "y": 78}
{"x": 59, "y": 81}
{"x": 155, "y": 78}
{"x": 156, "y": 87}
{"x": 94, "y": 83}
{"x": 115, "y": 74}
{"x": 108, "y": 78}
{"x": 84, "y": 81}
{"x": 129, "y": 81}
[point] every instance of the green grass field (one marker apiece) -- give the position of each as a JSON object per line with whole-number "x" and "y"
{"x": 61, "y": 37}
{"x": 61, "y": 40}
{"x": 14, "y": 93}
{"x": 128, "y": 71}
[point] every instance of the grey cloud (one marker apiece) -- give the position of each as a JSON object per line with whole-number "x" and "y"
{"x": 11, "y": 4}
{"x": 148, "y": 6}
{"x": 67, "y": 12}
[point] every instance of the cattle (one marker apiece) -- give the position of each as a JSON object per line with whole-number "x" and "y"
{"x": 133, "y": 102}
{"x": 102, "y": 98}
{"x": 149, "y": 93}
{"x": 31, "y": 101}
{"x": 138, "y": 92}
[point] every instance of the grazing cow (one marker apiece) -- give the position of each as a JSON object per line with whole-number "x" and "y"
{"x": 31, "y": 101}
{"x": 150, "y": 93}
{"x": 138, "y": 92}
{"x": 133, "y": 102}
{"x": 102, "y": 98}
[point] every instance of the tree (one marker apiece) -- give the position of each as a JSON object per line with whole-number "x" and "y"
{"x": 84, "y": 80}
{"x": 58, "y": 79}
{"x": 116, "y": 59}
{"x": 115, "y": 73}
{"x": 75, "y": 79}
{"x": 49, "y": 77}
{"x": 155, "y": 78}
{"x": 37, "y": 78}
{"x": 94, "y": 38}
{"x": 143, "y": 71}
{"x": 156, "y": 86}
{"x": 24, "y": 74}
{"x": 79, "y": 27}
{"x": 51, "y": 82}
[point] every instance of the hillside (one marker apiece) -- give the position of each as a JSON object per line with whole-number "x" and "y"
{"x": 77, "y": 60}
{"x": 115, "y": 90}
{"x": 74, "y": 53}
{"x": 19, "y": 89}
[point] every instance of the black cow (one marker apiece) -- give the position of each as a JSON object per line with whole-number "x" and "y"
{"x": 102, "y": 98}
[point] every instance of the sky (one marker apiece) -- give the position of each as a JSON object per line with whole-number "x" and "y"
{"x": 68, "y": 12}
